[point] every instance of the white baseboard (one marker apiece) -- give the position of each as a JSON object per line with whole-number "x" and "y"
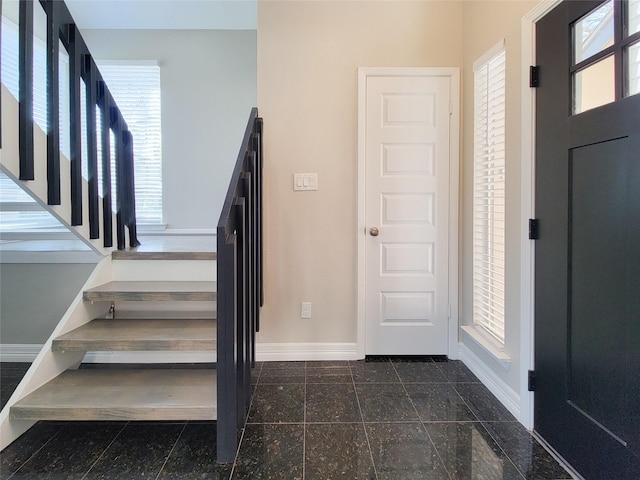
{"x": 265, "y": 352}
{"x": 17, "y": 352}
{"x": 504, "y": 393}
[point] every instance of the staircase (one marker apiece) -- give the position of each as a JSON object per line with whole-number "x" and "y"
{"x": 141, "y": 311}
{"x": 147, "y": 292}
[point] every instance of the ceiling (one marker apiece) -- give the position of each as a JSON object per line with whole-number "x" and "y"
{"x": 165, "y": 14}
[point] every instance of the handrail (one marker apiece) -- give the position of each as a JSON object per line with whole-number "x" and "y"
{"x": 240, "y": 291}
{"x": 61, "y": 28}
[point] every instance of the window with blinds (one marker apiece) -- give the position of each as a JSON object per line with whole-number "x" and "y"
{"x": 135, "y": 86}
{"x": 489, "y": 193}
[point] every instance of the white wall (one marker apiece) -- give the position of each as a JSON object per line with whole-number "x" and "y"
{"x": 208, "y": 82}
{"x": 308, "y": 55}
{"x": 486, "y": 23}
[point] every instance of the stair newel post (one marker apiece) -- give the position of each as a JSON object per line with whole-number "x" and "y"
{"x": 227, "y": 435}
{"x": 25, "y": 82}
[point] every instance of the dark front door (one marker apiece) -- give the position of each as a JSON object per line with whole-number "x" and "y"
{"x": 587, "y": 324}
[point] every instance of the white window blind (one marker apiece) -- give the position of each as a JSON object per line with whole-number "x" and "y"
{"x": 489, "y": 193}
{"x": 136, "y": 89}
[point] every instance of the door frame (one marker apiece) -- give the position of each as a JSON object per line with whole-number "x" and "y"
{"x": 527, "y": 208}
{"x": 453, "y": 74}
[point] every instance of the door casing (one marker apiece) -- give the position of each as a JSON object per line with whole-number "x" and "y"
{"x": 527, "y": 207}
{"x": 453, "y": 74}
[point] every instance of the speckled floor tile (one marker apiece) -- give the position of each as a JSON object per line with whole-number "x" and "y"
{"x": 533, "y": 461}
{"x": 5, "y": 394}
{"x": 332, "y": 403}
{"x": 282, "y": 365}
{"x": 277, "y": 404}
{"x": 385, "y": 402}
{"x": 327, "y": 363}
{"x": 329, "y": 375}
{"x": 12, "y": 372}
{"x": 457, "y": 372}
{"x": 282, "y": 375}
{"x": 75, "y": 448}
{"x": 419, "y": 372}
{"x": 271, "y": 452}
{"x": 194, "y": 455}
{"x": 438, "y": 402}
{"x": 468, "y": 451}
{"x": 138, "y": 452}
{"x": 482, "y": 402}
{"x": 373, "y": 372}
{"x": 336, "y": 451}
{"x": 404, "y": 451}
{"x": 26, "y": 446}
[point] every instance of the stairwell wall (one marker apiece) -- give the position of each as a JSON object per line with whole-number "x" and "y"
{"x": 34, "y": 296}
{"x": 208, "y": 83}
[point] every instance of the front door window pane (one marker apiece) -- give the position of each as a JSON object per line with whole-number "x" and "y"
{"x": 633, "y": 17}
{"x": 633, "y": 79}
{"x": 593, "y": 33}
{"x": 594, "y": 86}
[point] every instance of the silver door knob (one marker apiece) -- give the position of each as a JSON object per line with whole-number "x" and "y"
{"x": 374, "y": 231}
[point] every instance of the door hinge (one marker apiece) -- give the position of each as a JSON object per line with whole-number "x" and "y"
{"x": 531, "y": 385}
{"x": 534, "y": 76}
{"x": 534, "y": 229}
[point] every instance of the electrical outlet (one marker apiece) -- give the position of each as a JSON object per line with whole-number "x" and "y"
{"x": 305, "y": 310}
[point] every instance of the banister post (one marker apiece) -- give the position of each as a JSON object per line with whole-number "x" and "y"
{"x": 25, "y": 87}
{"x": 227, "y": 435}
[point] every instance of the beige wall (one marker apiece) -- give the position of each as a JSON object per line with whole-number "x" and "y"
{"x": 308, "y": 55}
{"x": 486, "y": 23}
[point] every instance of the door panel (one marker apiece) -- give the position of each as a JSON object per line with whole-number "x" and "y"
{"x": 587, "y": 327}
{"x": 406, "y": 171}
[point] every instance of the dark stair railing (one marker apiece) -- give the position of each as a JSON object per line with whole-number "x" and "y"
{"x": 240, "y": 288}
{"x": 61, "y": 28}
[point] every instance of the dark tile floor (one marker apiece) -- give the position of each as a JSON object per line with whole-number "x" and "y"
{"x": 383, "y": 419}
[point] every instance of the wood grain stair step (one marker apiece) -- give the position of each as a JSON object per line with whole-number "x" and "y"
{"x": 140, "y": 335}
{"x": 152, "y": 291}
{"x": 127, "y": 394}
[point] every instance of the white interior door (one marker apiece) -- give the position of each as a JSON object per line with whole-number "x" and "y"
{"x": 406, "y": 163}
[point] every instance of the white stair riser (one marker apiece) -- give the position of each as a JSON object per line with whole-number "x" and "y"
{"x": 165, "y": 270}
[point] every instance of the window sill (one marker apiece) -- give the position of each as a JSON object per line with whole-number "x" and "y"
{"x": 487, "y": 346}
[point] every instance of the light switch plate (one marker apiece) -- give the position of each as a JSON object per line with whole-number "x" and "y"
{"x": 305, "y": 181}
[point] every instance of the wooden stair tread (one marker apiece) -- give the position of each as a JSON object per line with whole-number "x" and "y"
{"x": 123, "y": 394}
{"x": 152, "y": 291}
{"x": 136, "y": 255}
{"x": 140, "y": 335}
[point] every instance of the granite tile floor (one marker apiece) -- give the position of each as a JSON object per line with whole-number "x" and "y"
{"x": 384, "y": 418}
